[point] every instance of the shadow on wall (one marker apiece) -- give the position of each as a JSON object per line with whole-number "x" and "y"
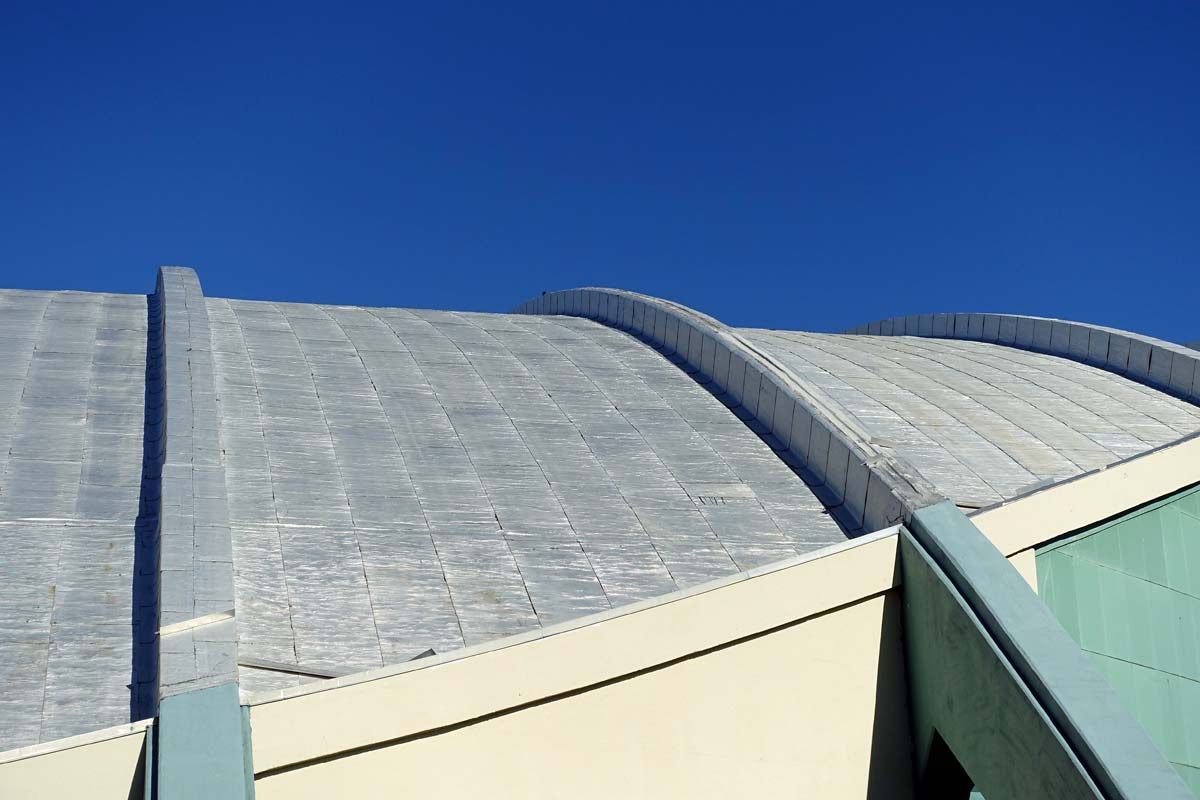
{"x": 143, "y": 681}
{"x": 891, "y": 741}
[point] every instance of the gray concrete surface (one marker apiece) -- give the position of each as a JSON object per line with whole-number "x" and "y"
{"x": 402, "y": 480}
{"x": 983, "y": 422}
{"x": 72, "y": 384}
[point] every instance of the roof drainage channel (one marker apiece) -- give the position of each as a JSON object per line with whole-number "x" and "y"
{"x": 195, "y": 553}
{"x": 865, "y": 485}
{"x": 1162, "y": 365}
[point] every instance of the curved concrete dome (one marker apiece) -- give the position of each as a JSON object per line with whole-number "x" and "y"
{"x": 72, "y": 399}
{"x": 984, "y": 422}
{"x": 195, "y": 491}
{"x": 401, "y": 480}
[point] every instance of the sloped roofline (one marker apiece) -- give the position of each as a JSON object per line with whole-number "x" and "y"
{"x": 1051, "y": 512}
{"x": 864, "y": 483}
{"x": 1163, "y": 365}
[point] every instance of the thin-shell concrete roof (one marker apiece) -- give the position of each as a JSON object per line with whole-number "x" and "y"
{"x": 72, "y": 386}
{"x": 360, "y": 485}
{"x": 401, "y": 480}
{"x": 983, "y": 422}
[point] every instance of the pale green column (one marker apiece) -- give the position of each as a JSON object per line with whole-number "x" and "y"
{"x": 991, "y": 670}
{"x": 203, "y": 748}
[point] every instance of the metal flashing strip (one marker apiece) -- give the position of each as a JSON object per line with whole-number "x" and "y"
{"x": 195, "y": 552}
{"x": 1170, "y": 367}
{"x": 1103, "y": 736}
{"x": 292, "y": 669}
{"x": 309, "y": 671}
{"x": 865, "y": 484}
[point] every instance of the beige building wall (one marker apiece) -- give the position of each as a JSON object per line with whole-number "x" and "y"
{"x": 784, "y": 682}
{"x": 787, "y": 681}
{"x": 816, "y": 709}
{"x": 1081, "y": 502}
{"x": 106, "y": 765}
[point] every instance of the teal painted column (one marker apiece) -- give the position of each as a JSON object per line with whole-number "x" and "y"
{"x": 202, "y": 740}
{"x": 974, "y": 722}
{"x": 203, "y": 748}
{"x": 995, "y": 674}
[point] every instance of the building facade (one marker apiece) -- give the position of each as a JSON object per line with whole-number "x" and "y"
{"x": 602, "y": 545}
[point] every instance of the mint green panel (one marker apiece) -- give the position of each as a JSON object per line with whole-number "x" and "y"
{"x": 203, "y": 752}
{"x": 1128, "y": 591}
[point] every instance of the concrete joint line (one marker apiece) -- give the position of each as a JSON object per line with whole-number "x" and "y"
{"x": 674, "y": 329}
{"x": 197, "y": 622}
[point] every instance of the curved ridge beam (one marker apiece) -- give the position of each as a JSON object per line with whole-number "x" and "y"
{"x": 865, "y": 484}
{"x": 197, "y": 640}
{"x": 1162, "y": 365}
{"x": 201, "y": 740}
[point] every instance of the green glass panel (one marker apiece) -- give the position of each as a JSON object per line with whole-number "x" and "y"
{"x": 1114, "y": 599}
{"x": 1129, "y": 592}
{"x": 1175, "y": 746}
{"x": 1191, "y": 777}
{"x": 1176, "y": 552}
{"x": 1152, "y": 545}
{"x": 1130, "y": 536}
{"x": 1189, "y": 503}
{"x": 1186, "y": 609}
{"x": 1061, "y": 578}
{"x": 1189, "y": 709}
{"x": 1091, "y": 623}
{"x": 1107, "y": 547}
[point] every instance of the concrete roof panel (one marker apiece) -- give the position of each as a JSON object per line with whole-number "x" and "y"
{"x": 543, "y": 469}
{"x": 985, "y": 421}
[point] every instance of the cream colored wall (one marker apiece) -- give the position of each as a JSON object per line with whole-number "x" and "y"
{"x": 361, "y": 711}
{"x": 1026, "y": 564}
{"x": 1076, "y": 504}
{"x": 816, "y": 709}
{"x": 100, "y": 766}
{"x": 785, "y": 682}
{"x": 1020, "y": 525}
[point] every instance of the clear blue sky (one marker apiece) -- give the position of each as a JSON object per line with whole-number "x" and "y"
{"x": 778, "y": 165}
